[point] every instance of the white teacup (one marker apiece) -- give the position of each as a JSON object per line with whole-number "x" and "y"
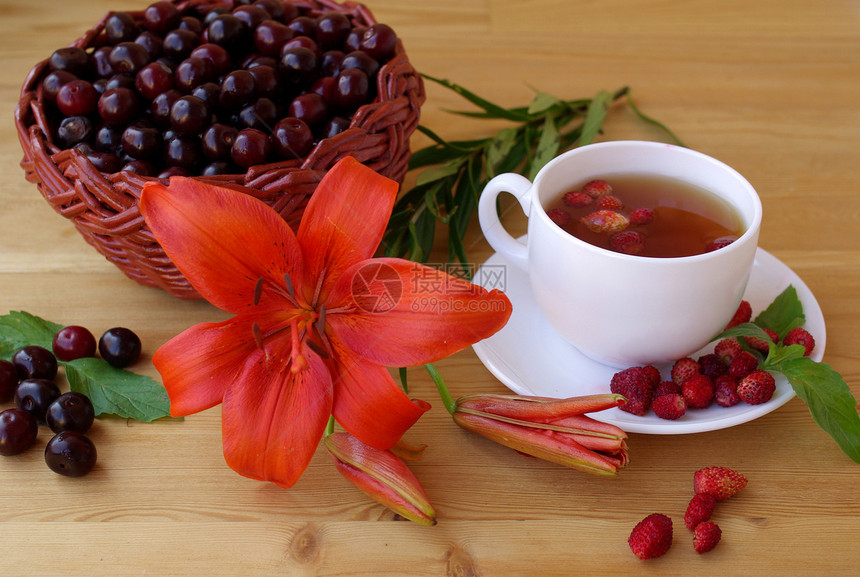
{"x": 618, "y": 309}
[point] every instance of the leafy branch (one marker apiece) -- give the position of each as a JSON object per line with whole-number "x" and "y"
{"x": 455, "y": 172}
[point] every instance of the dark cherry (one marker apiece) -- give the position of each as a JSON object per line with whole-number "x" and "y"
{"x": 120, "y": 81}
{"x": 189, "y": 115}
{"x": 105, "y": 161}
{"x": 77, "y": 98}
{"x": 379, "y": 41}
{"x": 161, "y": 17}
{"x": 183, "y": 152}
{"x": 266, "y": 81}
{"x": 71, "y": 454}
{"x": 251, "y": 147}
{"x": 361, "y": 60}
{"x": 309, "y": 107}
{"x": 153, "y": 44}
{"x": 128, "y": 57}
{"x": 261, "y": 114}
{"x": 256, "y": 59}
{"x": 71, "y": 59}
{"x": 101, "y": 61}
{"x": 251, "y": 16}
{"x": 332, "y": 28}
{"x": 70, "y": 411}
{"x": 192, "y": 24}
{"x": 108, "y": 138}
{"x": 216, "y": 55}
{"x": 118, "y": 106}
{"x": 237, "y": 89}
{"x": 299, "y": 65}
{"x": 353, "y": 39}
{"x": 326, "y": 87}
{"x": 18, "y": 431}
{"x": 35, "y": 362}
{"x": 73, "y": 342}
{"x": 292, "y": 138}
{"x": 120, "y": 27}
{"x": 153, "y": 79}
{"x": 179, "y": 43}
{"x": 303, "y": 26}
{"x": 173, "y": 171}
{"x": 34, "y": 396}
{"x": 220, "y": 167}
{"x": 215, "y": 12}
{"x": 208, "y": 92}
{"x": 228, "y": 32}
{"x": 141, "y": 167}
{"x": 270, "y": 36}
{"x": 217, "y": 141}
{"x": 141, "y": 142}
{"x": 74, "y": 130}
{"x": 52, "y": 83}
{"x": 159, "y": 110}
{"x": 302, "y": 42}
{"x": 119, "y": 346}
{"x": 353, "y": 89}
{"x": 8, "y": 380}
{"x": 275, "y": 8}
{"x": 193, "y": 72}
{"x": 330, "y": 62}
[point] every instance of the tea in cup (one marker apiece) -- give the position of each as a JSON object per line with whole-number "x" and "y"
{"x": 623, "y": 289}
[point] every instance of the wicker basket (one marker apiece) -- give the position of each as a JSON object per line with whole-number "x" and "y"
{"x": 103, "y": 207}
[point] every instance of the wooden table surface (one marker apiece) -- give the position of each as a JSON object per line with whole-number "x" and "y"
{"x": 772, "y": 88}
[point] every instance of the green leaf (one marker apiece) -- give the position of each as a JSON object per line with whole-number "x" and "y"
{"x": 783, "y": 314}
{"x": 492, "y": 110}
{"x": 439, "y": 172}
{"x": 118, "y": 392}
{"x": 650, "y": 120}
{"x": 594, "y": 118}
{"x": 828, "y": 399}
{"x": 19, "y": 329}
{"x": 541, "y": 103}
{"x": 499, "y": 148}
{"x": 547, "y": 147}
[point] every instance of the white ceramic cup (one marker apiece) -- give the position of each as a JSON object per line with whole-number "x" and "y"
{"x": 618, "y": 309}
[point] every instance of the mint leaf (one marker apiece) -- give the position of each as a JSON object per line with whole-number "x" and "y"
{"x": 829, "y": 400}
{"x": 783, "y": 314}
{"x": 118, "y": 392}
{"x": 19, "y": 329}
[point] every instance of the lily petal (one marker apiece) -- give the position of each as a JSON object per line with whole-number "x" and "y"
{"x": 344, "y": 221}
{"x": 273, "y": 418}
{"x": 221, "y": 240}
{"x": 426, "y": 314}
{"x": 367, "y": 401}
{"x": 200, "y": 364}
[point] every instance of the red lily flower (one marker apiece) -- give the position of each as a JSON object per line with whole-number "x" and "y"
{"x": 317, "y": 320}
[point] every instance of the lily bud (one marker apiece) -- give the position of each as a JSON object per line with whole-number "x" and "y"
{"x": 555, "y": 430}
{"x": 382, "y": 476}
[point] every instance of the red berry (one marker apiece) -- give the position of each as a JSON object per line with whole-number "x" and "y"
{"x": 667, "y": 388}
{"x": 640, "y": 216}
{"x": 653, "y": 375}
{"x": 699, "y": 510}
{"x": 636, "y": 386}
{"x": 73, "y": 342}
{"x": 800, "y": 336}
{"x": 559, "y": 216}
{"x": 720, "y": 243}
{"x": 610, "y": 202}
{"x": 726, "y": 391}
{"x": 727, "y": 349}
{"x": 743, "y": 364}
{"x": 757, "y": 387}
{"x": 743, "y": 314}
{"x": 576, "y": 199}
{"x": 683, "y": 369}
{"x": 706, "y": 536}
{"x": 651, "y": 537}
{"x": 597, "y": 188}
{"x": 761, "y": 345}
{"x": 627, "y": 242}
{"x": 719, "y": 482}
{"x": 698, "y": 391}
{"x": 607, "y": 221}
{"x": 712, "y": 365}
{"x": 670, "y": 406}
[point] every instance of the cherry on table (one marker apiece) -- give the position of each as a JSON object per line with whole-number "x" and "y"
{"x": 34, "y": 396}
{"x": 119, "y": 346}
{"x": 8, "y": 380}
{"x": 35, "y": 362}
{"x": 18, "y": 431}
{"x": 73, "y": 342}
{"x": 71, "y": 454}
{"x": 70, "y": 411}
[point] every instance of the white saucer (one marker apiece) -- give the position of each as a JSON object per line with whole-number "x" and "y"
{"x": 529, "y": 357}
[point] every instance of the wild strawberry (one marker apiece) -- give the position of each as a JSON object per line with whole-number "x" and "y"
{"x": 719, "y": 482}
{"x": 640, "y": 216}
{"x": 761, "y": 345}
{"x": 683, "y": 369}
{"x": 667, "y": 388}
{"x": 652, "y": 373}
{"x": 610, "y": 202}
{"x": 743, "y": 314}
{"x": 712, "y": 365}
{"x": 607, "y": 221}
{"x": 727, "y": 349}
{"x": 559, "y": 216}
{"x": 757, "y": 387}
{"x": 627, "y": 242}
{"x": 706, "y": 536}
{"x": 597, "y": 188}
{"x": 698, "y": 391}
{"x": 651, "y": 537}
{"x": 699, "y": 510}
{"x": 670, "y": 407}
{"x": 719, "y": 243}
{"x": 743, "y": 364}
{"x": 576, "y": 199}
{"x": 636, "y": 386}
{"x": 726, "y": 391}
{"x": 800, "y": 336}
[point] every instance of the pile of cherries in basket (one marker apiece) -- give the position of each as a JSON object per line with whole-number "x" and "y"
{"x": 29, "y": 380}
{"x": 212, "y": 89}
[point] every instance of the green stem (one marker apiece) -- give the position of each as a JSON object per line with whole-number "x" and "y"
{"x": 329, "y": 428}
{"x": 444, "y": 393}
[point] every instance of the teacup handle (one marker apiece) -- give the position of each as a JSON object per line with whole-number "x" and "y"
{"x": 494, "y": 231}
